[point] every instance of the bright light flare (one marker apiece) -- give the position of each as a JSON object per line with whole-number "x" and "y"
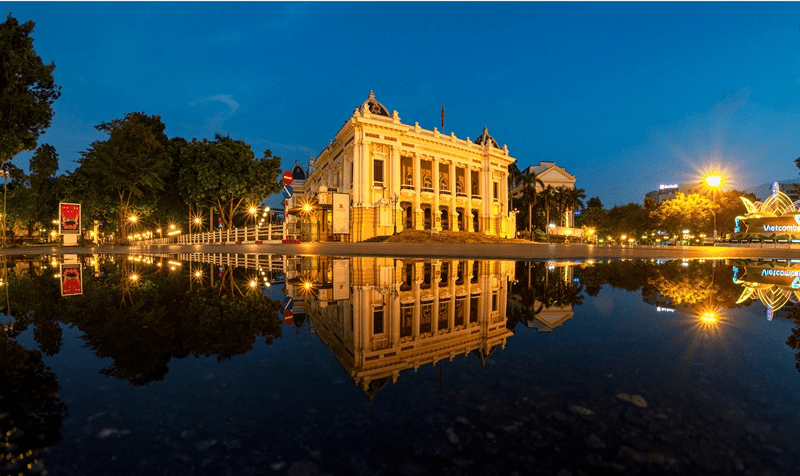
{"x": 714, "y": 181}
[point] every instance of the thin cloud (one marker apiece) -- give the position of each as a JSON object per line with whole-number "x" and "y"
{"x": 214, "y": 123}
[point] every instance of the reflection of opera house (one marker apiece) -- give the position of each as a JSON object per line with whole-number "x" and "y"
{"x": 382, "y": 315}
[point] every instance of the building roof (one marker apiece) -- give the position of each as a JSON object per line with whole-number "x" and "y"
{"x": 485, "y": 138}
{"x": 373, "y": 106}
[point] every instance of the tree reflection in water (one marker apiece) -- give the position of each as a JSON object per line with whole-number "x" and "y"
{"x": 142, "y": 313}
{"x": 30, "y": 409}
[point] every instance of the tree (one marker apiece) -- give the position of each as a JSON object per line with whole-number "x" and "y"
{"x": 27, "y": 90}
{"x": 576, "y": 196}
{"x": 224, "y": 173}
{"x": 34, "y": 200}
{"x": 513, "y": 177}
{"x": 530, "y": 196}
{"x": 131, "y": 165}
{"x": 691, "y": 211}
{"x": 593, "y": 215}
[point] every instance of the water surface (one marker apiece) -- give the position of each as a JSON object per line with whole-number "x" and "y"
{"x": 189, "y": 364}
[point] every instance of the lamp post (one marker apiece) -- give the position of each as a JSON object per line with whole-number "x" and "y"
{"x": 714, "y": 182}
{"x": 395, "y": 197}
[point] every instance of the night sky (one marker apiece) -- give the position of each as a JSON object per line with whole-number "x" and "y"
{"x": 625, "y": 96}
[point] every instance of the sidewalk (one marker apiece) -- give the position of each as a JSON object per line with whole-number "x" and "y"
{"x": 506, "y": 251}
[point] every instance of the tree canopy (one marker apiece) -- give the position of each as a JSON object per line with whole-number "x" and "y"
{"x": 27, "y": 89}
{"x": 224, "y": 173}
{"x": 131, "y": 166}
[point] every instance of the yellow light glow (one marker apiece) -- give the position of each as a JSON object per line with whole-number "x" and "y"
{"x": 253, "y": 210}
{"x": 175, "y": 263}
{"x": 307, "y": 207}
{"x": 713, "y": 181}
{"x": 172, "y": 226}
{"x": 253, "y": 283}
{"x": 197, "y": 221}
{"x": 198, "y": 274}
{"x": 307, "y": 285}
{"x": 133, "y": 218}
{"x": 134, "y": 277}
{"x": 623, "y": 237}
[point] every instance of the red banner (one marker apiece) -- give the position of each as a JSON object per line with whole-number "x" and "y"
{"x": 70, "y": 218}
{"x": 71, "y": 279}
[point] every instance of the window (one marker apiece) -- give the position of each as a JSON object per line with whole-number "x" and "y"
{"x": 425, "y": 317}
{"x": 495, "y": 190}
{"x": 475, "y": 191}
{"x": 377, "y": 171}
{"x": 377, "y": 320}
{"x": 444, "y": 314}
{"x": 406, "y": 319}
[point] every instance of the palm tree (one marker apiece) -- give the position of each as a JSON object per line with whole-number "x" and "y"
{"x": 562, "y": 202}
{"x": 530, "y": 196}
{"x": 548, "y": 195}
{"x": 576, "y": 198}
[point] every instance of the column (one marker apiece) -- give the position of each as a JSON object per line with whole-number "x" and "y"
{"x": 417, "y": 310}
{"x": 417, "y": 189}
{"x": 396, "y": 178}
{"x": 396, "y": 182}
{"x": 468, "y": 179}
{"x": 356, "y": 178}
{"x": 366, "y": 182}
{"x": 453, "y": 216}
{"x": 435, "y": 218}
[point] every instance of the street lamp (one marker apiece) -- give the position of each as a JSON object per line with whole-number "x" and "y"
{"x": 714, "y": 181}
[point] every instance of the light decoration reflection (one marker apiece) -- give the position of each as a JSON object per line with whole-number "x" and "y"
{"x": 772, "y": 285}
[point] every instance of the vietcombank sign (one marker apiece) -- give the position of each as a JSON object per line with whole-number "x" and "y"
{"x": 768, "y": 225}
{"x": 776, "y": 220}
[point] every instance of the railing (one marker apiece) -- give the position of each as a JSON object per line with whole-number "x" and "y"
{"x": 407, "y": 187}
{"x": 237, "y": 260}
{"x": 235, "y": 235}
{"x": 271, "y": 233}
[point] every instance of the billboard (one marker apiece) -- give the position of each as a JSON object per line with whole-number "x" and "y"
{"x": 341, "y": 213}
{"x": 341, "y": 279}
{"x": 69, "y": 218}
{"x": 71, "y": 279}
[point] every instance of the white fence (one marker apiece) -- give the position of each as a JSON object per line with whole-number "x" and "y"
{"x": 258, "y": 234}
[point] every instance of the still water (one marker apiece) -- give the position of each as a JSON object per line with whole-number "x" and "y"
{"x": 199, "y": 364}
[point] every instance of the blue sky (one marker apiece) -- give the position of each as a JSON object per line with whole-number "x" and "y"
{"x": 625, "y": 96}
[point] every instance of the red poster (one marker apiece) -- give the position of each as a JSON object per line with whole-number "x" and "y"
{"x": 71, "y": 279}
{"x": 70, "y": 214}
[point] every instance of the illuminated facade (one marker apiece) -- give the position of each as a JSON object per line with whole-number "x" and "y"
{"x": 403, "y": 177}
{"x": 401, "y": 314}
{"x": 774, "y": 221}
{"x": 554, "y": 176}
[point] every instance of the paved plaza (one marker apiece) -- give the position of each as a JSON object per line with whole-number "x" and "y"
{"x": 515, "y": 251}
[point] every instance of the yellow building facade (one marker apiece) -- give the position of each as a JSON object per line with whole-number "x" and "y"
{"x": 401, "y": 177}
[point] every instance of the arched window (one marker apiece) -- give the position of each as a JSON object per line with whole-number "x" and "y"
{"x": 475, "y": 187}
{"x": 443, "y": 184}
{"x": 459, "y": 186}
{"x": 427, "y": 182}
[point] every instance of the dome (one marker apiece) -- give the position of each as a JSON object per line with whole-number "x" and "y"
{"x": 297, "y": 172}
{"x": 373, "y": 106}
{"x": 485, "y": 138}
